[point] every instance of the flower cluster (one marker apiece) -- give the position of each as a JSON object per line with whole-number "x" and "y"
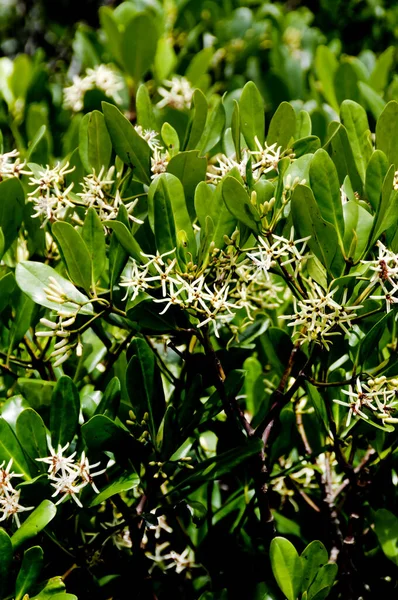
{"x": 379, "y": 396}
{"x": 385, "y": 275}
{"x": 101, "y": 78}
{"x": 318, "y": 316}
{"x": 50, "y": 196}
{"x": 97, "y": 192}
{"x": 11, "y": 165}
{"x": 176, "y": 93}
{"x": 150, "y": 136}
{"x": 9, "y": 496}
{"x": 69, "y": 476}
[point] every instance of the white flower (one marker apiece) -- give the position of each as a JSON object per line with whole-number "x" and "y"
{"x": 225, "y": 165}
{"x": 395, "y": 182}
{"x": 136, "y": 280}
{"x": 11, "y": 165}
{"x": 319, "y": 315}
{"x": 385, "y": 274}
{"x": 150, "y": 136}
{"x": 267, "y": 157}
{"x": 74, "y": 94}
{"x": 377, "y": 395}
{"x": 58, "y": 462}
{"x": 159, "y": 162}
{"x": 85, "y": 473}
{"x": 9, "y": 505}
{"x": 5, "y": 477}
{"x": 178, "y": 96}
{"x": 105, "y": 79}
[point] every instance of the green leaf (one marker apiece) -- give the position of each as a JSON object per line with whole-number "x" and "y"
{"x": 380, "y": 74}
{"x": 11, "y": 448}
{"x": 235, "y": 129}
{"x": 125, "y": 238}
{"x": 313, "y": 557}
{"x": 341, "y": 152}
{"x": 320, "y": 588}
{"x": 214, "y": 128}
{"x": 127, "y": 143}
{"x": 31, "y": 433}
{"x": 214, "y": 468}
{"x": 326, "y": 188}
{"x": 7, "y": 286}
{"x": 139, "y": 45}
{"x": 198, "y": 66}
{"x": 375, "y": 173}
{"x": 6, "y": 552}
{"x": 303, "y": 125}
{"x": 283, "y": 126}
{"x": 64, "y": 412}
{"x": 169, "y": 218}
{"x": 124, "y": 483}
{"x": 95, "y": 145}
{"x": 144, "y": 385}
{"x": 170, "y": 138}
{"x": 286, "y": 567}
{"x": 198, "y": 122}
{"x": 94, "y": 238}
{"x": 346, "y": 82}
{"x": 307, "y": 221}
{"x": 145, "y": 114}
{"x": 354, "y": 119}
{"x": 190, "y": 170}
{"x": 358, "y": 226}
{"x": 252, "y": 119}
{"x": 372, "y": 101}
{"x": 386, "y": 529}
{"x": 101, "y": 433}
{"x": 387, "y": 132}
{"x": 238, "y": 203}
{"x": 12, "y": 202}
{"x": 326, "y": 66}
{"x": 29, "y": 572}
{"x": 36, "y": 522}
{"x": 112, "y": 33}
{"x": 33, "y": 277}
{"x": 370, "y": 342}
{"x": 74, "y": 253}
{"x": 21, "y": 323}
{"x": 209, "y": 204}
{"x": 110, "y": 401}
{"x": 387, "y": 213}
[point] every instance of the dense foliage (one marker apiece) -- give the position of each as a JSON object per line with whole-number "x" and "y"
{"x": 198, "y": 289}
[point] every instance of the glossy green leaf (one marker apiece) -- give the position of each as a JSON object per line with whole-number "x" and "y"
{"x": 110, "y": 400}
{"x": 320, "y": 588}
{"x": 144, "y": 385}
{"x": 74, "y": 253}
{"x": 346, "y": 83}
{"x": 370, "y": 342}
{"x": 12, "y": 201}
{"x": 283, "y": 126}
{"x": 198, "y": 122}
{"x": 169, "y": 218}
{"x": 303, "y": 125}
{"x": 387, "y": 132}
{"x": 375, "y": 173}
{"x": 31, "y": 433}
{"x": 308, "y": 221}
{"x": 238, "y": 203}
{"x": 6, "y": 552}
{"x": 209, "y": 202}
{"x": 214, "y": 128}
{"x": 94, "y": 237}
{"x": 313, "y": 557}
{"x": 112, "y": 33}
{"x": 252, "y": 120}
{"x": 127, "y": 143}
{"x": 95, "y": 145}
{"x": 326, "y": 66}
{"x": 139, "y": 44}
{"x": 34, "y": 277}
{"x": 325, "y": 186}
{"x": 387, "y": 213}
{"x": 379, "y": 76}
{"x": 64, "y": 412}
{"x": 36, "y": 522}
{"x": 23, "y": 316}
{"x": 372, "y": 101}
{"x": 145, "y": 115}
{"x": 7, "y": 286}
{"x": 190, "y": 169}
{"x": 124, "y": 483}
{"x": 354, "y": 119}
{"x": 29, "y": 572}
{"x": 286, "y": 567}
{"x": 358, "y": 226}
{"x": 386, "y": 529}
{"x": 125, "y": 238}
{"x": 199, "y": 66}
{"x": 341, "y": 152}
{"x": 170, "y": 138}
{"x": 235, "y": 129}
{"x": 10, "y": 448}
